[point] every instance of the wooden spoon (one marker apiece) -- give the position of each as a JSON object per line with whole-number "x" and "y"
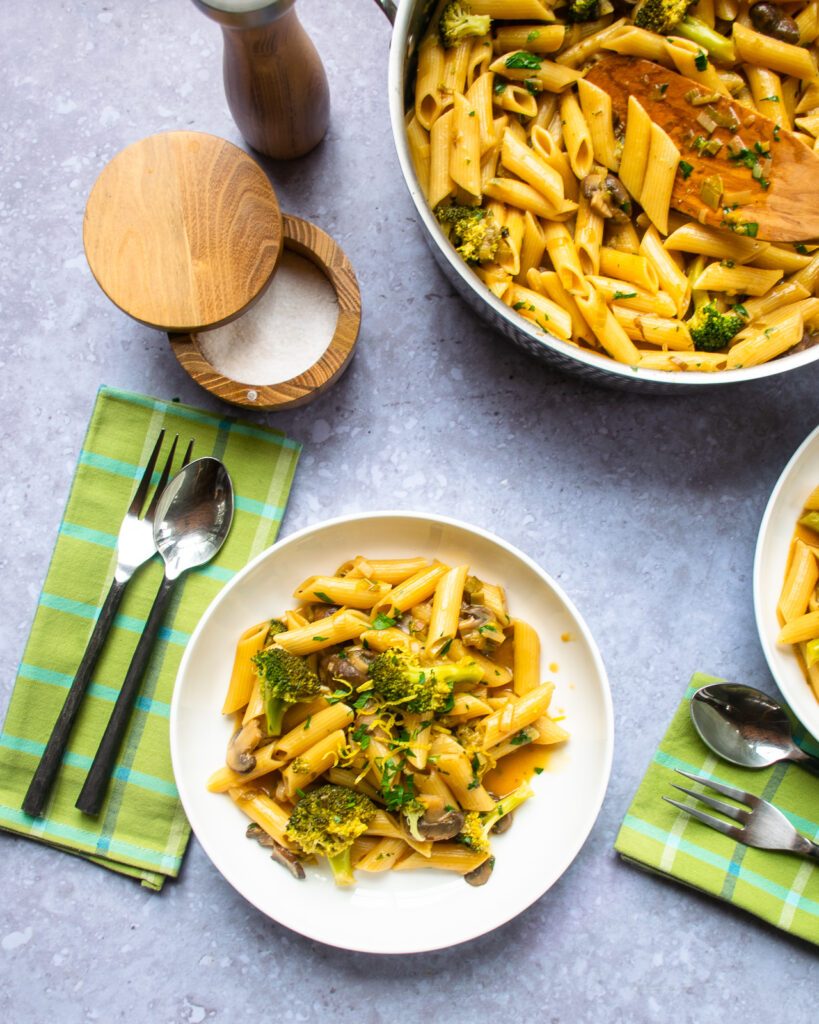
{"x": 786, "y": 211}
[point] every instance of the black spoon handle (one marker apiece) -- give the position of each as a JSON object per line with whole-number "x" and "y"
{"x": 40, "y": 786}
{"x": 94, "y": 789}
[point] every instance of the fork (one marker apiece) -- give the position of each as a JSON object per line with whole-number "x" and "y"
{"x": 135, "y": 546}
{"x": 763, "y": 826}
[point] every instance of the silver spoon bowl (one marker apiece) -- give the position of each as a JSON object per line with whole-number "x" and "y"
{"x": 746, "y": 727}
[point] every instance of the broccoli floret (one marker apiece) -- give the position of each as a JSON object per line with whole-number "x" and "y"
{"x": 472, "y": 230}
{"x": 667, "y": 16}
{"x": 719, "y": 47}
{"x": 327, "y": 821}
{"x": 285, "y": 679}
{"x": 413, "y": 812}
{"x": 661, "y": 16}
{"x": 458, "y": 23}
{"x": 473, "y": 834}
{"x": 400, "y": 680}
{"x": 581, "y": 10}
{"x": 275, "y": 627}
{"x": 711, "y": 330}
{"x": 477, "y": 825}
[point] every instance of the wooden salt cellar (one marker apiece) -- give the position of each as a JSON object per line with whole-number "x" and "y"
{"x": 304, "y": 238}
{"x": 275, "y": 82}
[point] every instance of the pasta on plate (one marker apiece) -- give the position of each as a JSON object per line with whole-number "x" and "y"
{"x": 798, "y": 606}
{"x": 564, "y": 211}
{"x": 373, "y": 722}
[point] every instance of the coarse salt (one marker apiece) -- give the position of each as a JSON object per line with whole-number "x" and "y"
{"x": 285, "y": 333}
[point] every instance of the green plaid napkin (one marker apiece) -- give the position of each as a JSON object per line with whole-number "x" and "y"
{"x": 142, "y": 830}
{"x": 778, "y": 887}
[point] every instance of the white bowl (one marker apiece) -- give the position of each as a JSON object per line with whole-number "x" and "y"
{"x": 785, "y": 506}
{"x": 397, "y": 912}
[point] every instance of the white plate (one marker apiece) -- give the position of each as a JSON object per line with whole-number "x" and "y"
{"x": 785, "y": 506}
{"x": 406, "y": 912}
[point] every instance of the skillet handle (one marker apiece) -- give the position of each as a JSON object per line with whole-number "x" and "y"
{"x": 389, "y": 8}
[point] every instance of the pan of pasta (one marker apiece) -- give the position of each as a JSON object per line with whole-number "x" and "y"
{"x": 786, "y": 583}
{"x": 392, "y": 732}
{"x": 625, "y": 190}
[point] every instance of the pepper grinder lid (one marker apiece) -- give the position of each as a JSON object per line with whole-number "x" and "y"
{"x": 182, "y": 231}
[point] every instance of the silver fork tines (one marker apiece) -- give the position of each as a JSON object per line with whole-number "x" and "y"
{"x": 135, "y": 543}
{"x": 763, "y": 825}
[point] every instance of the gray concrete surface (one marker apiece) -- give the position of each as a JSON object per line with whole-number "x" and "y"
{"x": 645, "y": 509}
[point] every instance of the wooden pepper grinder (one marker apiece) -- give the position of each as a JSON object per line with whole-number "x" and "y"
{"x": 275, "y": 82}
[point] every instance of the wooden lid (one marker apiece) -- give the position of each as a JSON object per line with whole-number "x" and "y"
{"x": 304, "y": 238}
{"x": 182, "y": 231}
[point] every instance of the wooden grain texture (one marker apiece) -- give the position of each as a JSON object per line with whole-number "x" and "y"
{"x": 276, "y": 87}
{"x": 787, "y": 211}
{"x": 304, "y": 238}
{"x": 182, "y": 230}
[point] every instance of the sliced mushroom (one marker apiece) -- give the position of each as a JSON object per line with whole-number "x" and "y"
{"x": 351, "y": 665}
{"x": 771, "y": 20}
{"x": 502, "y": 824}
{"x": 242, "y": 744}
{"x": 323, "y": 611}
{"x": 607, "y": 197}
{"x": 480, "y": 875}
{"x": 286, "y": 858}
{"x": 441, "y": 826}
{"x": 479, "y": 628}
{"x": 808, "y": 340}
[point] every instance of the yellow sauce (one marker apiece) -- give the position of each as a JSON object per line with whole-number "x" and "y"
{"x": 516, "y": 768}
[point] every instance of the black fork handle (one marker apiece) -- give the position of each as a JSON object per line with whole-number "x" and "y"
{"x": 92, "y": 795}
{"x": 43, "y": 780}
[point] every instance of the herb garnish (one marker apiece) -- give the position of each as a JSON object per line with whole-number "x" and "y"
{"x": 524, "y": 59}
{"x": 382, "y": 621}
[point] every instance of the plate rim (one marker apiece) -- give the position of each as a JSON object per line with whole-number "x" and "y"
{"x": 803, "y": 710}
{"x": 607, "y": 710}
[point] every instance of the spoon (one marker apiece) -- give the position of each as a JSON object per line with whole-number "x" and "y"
{"x": 192, "y": 520}
{"x": 746, "y": 727}
{"x": 784, "y": 208}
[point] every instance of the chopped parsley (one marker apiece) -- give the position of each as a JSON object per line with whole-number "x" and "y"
{"x": 701, "y": 61}
{"x": 307, "y": 723}
{"x": 625, "y": 295}
{"x": 685, "y": 169}
{"x": 322, "y": 596}
{"x": 533, "y": 35}
{"x": 519, "y": 305}
{"x": 525, "y": 60}
{"x": 382, "y": 621}
{"x": 320, "y": 639}
{"x": 538, "y": 771}
{"x": 749, "y": 228}
{"x": 445, "y": 649}
{"x": 301, "y": 793}
{"x": 362, "y": 737}
{"x": 519, "y": 738}
{"x": 801, "y": 248}
{"x": 499, "y": 88}
{"x": 769, "y": 99}
{"x": 741, "y": 310}
{"x": 776, "y": 133}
